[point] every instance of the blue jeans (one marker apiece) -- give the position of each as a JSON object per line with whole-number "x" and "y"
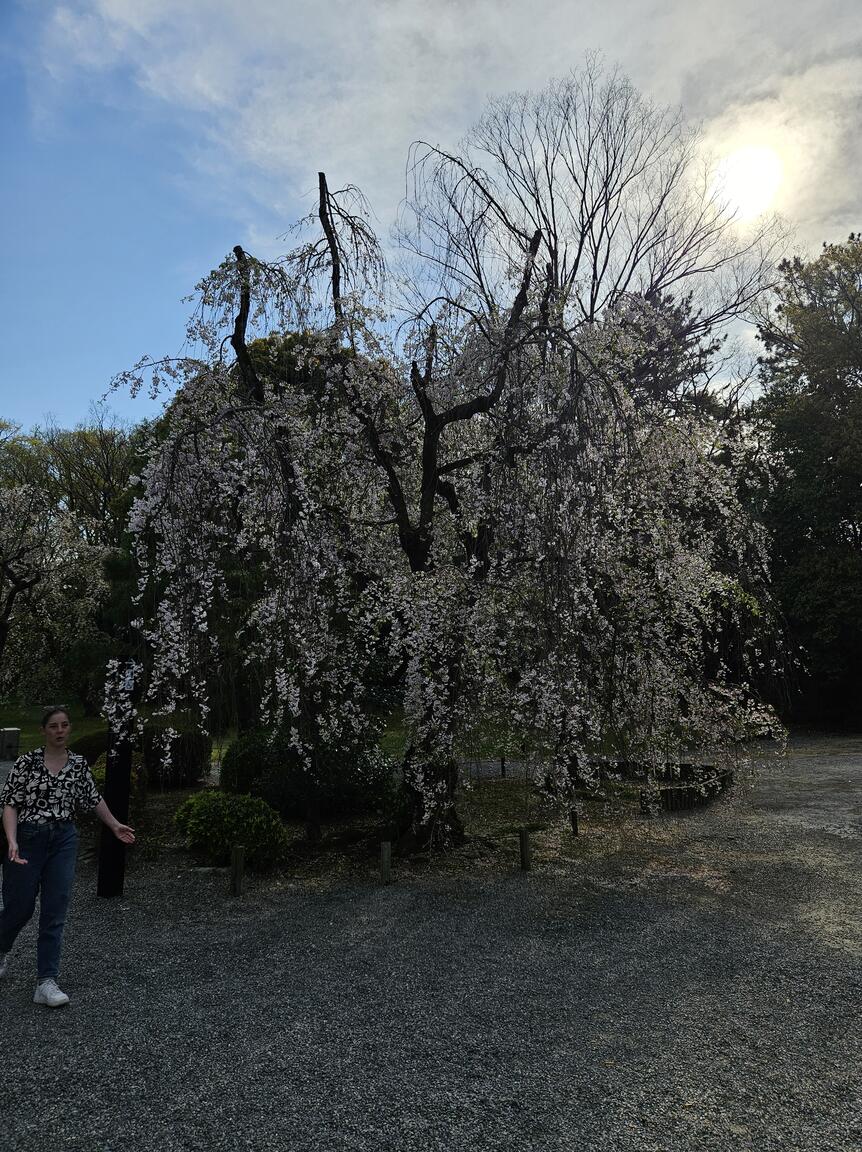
{"x": 50, "y": 851}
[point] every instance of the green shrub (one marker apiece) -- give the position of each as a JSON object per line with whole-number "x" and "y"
{"x": 345, "y": 783}
{"x": 358, "y": 783}
{"x": 214, "y": 821}
{"x": 189, "y": 757}
{"x": 91, "y": 746}
{"x": 100, "y": 767}
{"x": 249, "y": 757}
{"x": 287, "y": 788}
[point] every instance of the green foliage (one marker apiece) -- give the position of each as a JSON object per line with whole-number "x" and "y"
{"x": 396, "y": 810}
{"x": 810, "y": 416}
{"x": 345, "y": 783}
{"x": 189, "y": 757}
{"x": 99, "y": 768}
{"x": 249, "y": 756}
{"x": 348, "y": 787}
{"x": 672, "y": 368}
{"x": 76, "y": 615}
{"x": 28, "y": 719}
{"x": 214, "y": 821}
{"x": 91, "y": 746}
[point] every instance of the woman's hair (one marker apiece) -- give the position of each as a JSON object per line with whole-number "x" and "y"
{"x": 49, "y": 712}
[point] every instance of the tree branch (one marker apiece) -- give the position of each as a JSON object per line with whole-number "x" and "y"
{"x": 250, "y": 380}
{"x": 486, "y": 402}
{"x": 332, "y": 240}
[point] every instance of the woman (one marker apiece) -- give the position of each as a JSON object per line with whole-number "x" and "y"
{"x": 39, "y": 800}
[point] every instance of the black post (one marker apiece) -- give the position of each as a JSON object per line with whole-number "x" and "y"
{"x": 526, "y": 852}
{"x": 112, "y": 852}
{"x": 237, "y": 869}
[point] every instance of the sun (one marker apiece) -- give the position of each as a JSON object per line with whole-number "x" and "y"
{"x": 749, "y": 179}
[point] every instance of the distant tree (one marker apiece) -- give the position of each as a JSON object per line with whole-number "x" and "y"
{"x": 50, "y": 585}
{"x": 84, "y": 470}
{"x": 65, "y": 595}
{"x": 810, "y": 416}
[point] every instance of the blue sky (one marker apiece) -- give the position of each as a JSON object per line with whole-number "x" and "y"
{"x": 103, "y": 234}
{"x": 142, "y": 139}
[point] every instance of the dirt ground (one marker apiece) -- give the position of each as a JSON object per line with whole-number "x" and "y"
{"x": 687, "y": 983}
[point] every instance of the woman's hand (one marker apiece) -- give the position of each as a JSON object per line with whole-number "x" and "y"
{"x": 125, "y": 833}
{"x": 121, "y": 831}
{"x": 13, "y": 853}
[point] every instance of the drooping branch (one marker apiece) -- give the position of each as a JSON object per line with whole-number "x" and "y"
{"x": 253, "y": 387}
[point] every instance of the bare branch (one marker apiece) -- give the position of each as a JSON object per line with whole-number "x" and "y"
{"x": 250, "y": 381}
{"x": 485, "y": 402}
{"x": 325, "y": 215}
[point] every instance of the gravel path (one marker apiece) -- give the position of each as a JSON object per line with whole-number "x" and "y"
{"x": 690, "y": 983}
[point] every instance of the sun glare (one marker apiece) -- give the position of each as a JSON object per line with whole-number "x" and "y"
{"x": 749, "y": 179}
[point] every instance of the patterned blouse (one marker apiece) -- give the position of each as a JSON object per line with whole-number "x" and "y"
{"x": 40, "y": 797}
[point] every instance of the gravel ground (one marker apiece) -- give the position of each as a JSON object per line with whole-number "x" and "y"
{"x": 687, "y": 983}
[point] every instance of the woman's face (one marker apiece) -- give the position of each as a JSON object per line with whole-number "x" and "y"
{"x": 57, "y": 730}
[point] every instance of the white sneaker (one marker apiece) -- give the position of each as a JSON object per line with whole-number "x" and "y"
{"x": 49, "y": 994}
{"x": 4, "y": 964}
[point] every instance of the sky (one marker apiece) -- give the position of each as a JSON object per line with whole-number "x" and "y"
{"x": 142, "y": 139}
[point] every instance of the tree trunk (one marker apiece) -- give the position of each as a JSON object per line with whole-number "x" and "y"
{"x": 4, "y": 635}
{"x": 435, "y": 826}
{"x": 430, "y": 819}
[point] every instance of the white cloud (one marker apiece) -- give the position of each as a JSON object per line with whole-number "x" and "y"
{"x": 285, "y": 87}
{"x": 810, "y": 118}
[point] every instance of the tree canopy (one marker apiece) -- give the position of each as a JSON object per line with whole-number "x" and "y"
{"x": 64, "y": 560}
{"x": 810, "y": 416}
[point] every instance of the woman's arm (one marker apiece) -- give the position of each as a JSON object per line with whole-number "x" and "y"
{"x": 10, "y": 827}
{"x": 121, "y": 831}
{"x": 89, "y": 798}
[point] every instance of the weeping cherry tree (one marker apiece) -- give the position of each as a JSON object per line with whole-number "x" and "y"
{"x": 475, "y": 464}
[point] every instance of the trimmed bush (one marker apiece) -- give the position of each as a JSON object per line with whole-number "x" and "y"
{"x": 287, "y": 788}
{"x": 345, "y": 784}
{"x": 101, "y": 766}
{"x": 91, "y": 746}
{"x": 357, "y": 783}
{"x": 190, "y": 757}
{"x": 249, "y": 757}
{"x": 214, "y": 821}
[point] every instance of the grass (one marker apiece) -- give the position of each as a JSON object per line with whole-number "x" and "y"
{"x": 29, "y": 721}
{"x": 484, "y": 743}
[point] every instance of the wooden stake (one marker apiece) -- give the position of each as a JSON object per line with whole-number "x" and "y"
{"x": 385, "y": 861}
{"x": 526, "y": 854}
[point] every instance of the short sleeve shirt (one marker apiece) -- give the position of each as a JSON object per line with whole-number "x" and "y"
{"x": 41, "y": 797}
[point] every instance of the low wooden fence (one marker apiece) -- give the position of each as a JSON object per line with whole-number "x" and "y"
{"x": 683, "y": 797}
